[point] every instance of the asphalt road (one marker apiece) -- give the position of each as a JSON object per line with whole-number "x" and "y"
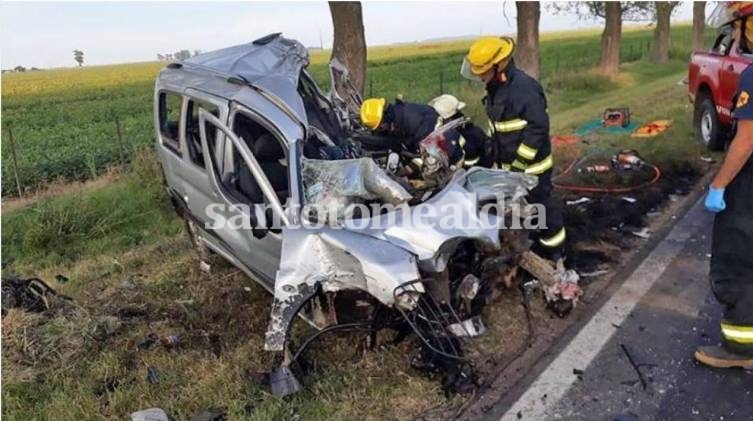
{"x": 657, "y": 317}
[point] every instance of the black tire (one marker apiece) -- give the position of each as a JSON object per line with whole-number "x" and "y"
{"x": 709, "y": 130}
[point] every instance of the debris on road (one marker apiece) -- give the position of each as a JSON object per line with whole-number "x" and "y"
{"x": 636, "y": 367}
{"x": 707, "y": 159}
{"x": 642, "y": 233}
{"x": 152, "y": 375}
{"x": 148, "y": 341}
{"x": 580, "y": 201}
{"x": 211, "y": 414}
{"x": 151, "y": 414}
{"x": 170, "y": 341}
{"x": 31, "y": 294}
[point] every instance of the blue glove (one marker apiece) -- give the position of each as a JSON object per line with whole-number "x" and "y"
{"x": 715, "y": 200}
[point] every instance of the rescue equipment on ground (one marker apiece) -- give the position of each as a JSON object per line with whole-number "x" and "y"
{"x": 627, "y": 159}
{"x": 616, "y": 117}
{"x": 652, "y": 129}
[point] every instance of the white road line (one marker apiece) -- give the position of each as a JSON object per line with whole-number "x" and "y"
{"x": 558, "y": 377}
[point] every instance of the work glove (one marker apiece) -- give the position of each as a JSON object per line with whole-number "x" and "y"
{"x": 715, "y": 200}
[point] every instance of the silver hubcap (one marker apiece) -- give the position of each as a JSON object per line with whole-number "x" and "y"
{"x": 706, "y": 127}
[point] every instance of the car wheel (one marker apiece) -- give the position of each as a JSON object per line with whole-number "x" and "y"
{"x": 708, "y": 128}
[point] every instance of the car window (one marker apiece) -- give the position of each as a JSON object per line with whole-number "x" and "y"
{"x": 270, "y": 155}
{"x": 193, "y": 137}
{"x": 169, "y": 120}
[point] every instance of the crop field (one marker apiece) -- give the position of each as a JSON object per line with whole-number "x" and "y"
{"x": 73, "y": 124}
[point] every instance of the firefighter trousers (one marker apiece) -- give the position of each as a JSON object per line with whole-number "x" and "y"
{"x": 731, "y": 272}
{"x": 549, "y": 241}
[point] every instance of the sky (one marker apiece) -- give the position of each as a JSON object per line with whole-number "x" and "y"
{"x": 45, "y": 34}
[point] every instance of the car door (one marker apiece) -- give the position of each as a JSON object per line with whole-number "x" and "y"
{"x": 199, "y": 191}
{"x": 258, "y": 249}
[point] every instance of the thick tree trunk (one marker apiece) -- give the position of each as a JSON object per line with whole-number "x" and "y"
{"x": 527, "y": 51}
{"x": 610, "y": 39}
{"x": 699, "y": 24}
{"x": 349, "y": 46}
{"x": 660, "y": 46}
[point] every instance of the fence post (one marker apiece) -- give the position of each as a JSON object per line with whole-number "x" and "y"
{"x": 371, "y": 88}
{"x": 121, "y": 146}
{"x": 15, "y": 162}
{"x": 441, "y": 82}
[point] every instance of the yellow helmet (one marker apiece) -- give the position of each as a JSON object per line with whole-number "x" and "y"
{"x": 372, "y": 111}
{"x": 488, "y": 51}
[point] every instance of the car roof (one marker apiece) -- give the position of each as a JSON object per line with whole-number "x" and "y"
{"x": 272, "y": 64}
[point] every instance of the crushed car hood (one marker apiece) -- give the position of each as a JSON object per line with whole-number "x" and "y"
{"x": 380, "y": 258}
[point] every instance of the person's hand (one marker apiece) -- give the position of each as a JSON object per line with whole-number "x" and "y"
{"x": 715, "y": 200}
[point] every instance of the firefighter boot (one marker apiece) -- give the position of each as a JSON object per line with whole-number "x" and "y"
{"x": 719, "y": 357}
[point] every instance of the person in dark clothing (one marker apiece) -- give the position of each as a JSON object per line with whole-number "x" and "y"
{"x": 519, "y": 129}
{"x": 408, "y": 124}
{"x": 472, "y": 139}
{"x": 730, "y": 197}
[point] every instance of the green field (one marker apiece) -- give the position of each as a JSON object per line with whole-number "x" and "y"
{"x": 123, "y": 248}
{"x": 64, "y": 121}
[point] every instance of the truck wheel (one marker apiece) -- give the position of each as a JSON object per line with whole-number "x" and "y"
{"x": 708, "y": 128}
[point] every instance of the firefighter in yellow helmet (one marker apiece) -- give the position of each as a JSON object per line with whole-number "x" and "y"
{"x": 518, "y": 128}
{"x": 407, "y": 124}
{"x": 730, "y": 197}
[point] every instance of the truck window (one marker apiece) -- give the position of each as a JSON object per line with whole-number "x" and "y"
{"x": 723, "y": 41}
{"x": 169, "y": 120}
{"x": 193, "y": 137}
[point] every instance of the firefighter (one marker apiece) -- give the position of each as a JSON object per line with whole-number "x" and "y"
{"x": 407, "y": 123}
{"x": 518, "y": 128}
{"x": 730, "y": 197}
{"x": 472, "y": 139}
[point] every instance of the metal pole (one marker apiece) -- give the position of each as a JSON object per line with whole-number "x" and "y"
{"x": 371, "y": 88}
{"x": 15, "y": 162}
{"x": 441, "y": 82}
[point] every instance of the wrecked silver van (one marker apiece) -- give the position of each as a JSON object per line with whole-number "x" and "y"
{"x": 246, "y": 133}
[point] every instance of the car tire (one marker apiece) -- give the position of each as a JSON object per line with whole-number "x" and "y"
{"x": 709, "y": 130}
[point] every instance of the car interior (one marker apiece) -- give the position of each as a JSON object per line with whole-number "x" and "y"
{"x": 270, "y": 154}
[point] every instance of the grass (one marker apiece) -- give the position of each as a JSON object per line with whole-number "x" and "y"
{"x": 133, "y": 272}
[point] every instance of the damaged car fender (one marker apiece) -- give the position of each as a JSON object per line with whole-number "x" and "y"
{"x": 333, "y": 259}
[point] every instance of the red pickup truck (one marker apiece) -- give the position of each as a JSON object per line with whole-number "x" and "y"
{"x": 712, "y": 82}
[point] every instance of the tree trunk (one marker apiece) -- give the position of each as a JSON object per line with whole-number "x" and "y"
{"x": 349, "y": 46}
{"x": 609, "y": 64}
{"x": 527, "y": 51}
{"x": 660, "y": 47}
{"x": 699, "y": 24}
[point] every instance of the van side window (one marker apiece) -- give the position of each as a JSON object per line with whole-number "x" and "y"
{"x": 169, "y": 120}
{"x": 193, "y": 136}
{"x": 270, "y": 154}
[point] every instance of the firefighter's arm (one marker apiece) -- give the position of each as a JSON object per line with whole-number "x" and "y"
{"x": 740, "y": 150}
{"x": 535, "y": 132}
